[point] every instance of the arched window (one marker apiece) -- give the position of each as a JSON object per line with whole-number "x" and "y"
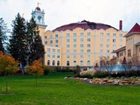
{"x": 48, "y": 62}
{"x": 68, "y": 63}
{"x": 53, "y": 63}
{"x": 58, "y": 63}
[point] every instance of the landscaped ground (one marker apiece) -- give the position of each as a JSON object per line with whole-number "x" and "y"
{"x": 55, "y": 90}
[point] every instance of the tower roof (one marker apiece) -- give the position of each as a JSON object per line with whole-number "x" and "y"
{"x": 38, "y": 8}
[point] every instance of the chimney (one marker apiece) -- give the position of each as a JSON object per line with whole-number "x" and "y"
{"x": 120, "y": 25}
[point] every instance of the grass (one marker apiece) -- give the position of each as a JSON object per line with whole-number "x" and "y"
{"x": 55, "y": 90}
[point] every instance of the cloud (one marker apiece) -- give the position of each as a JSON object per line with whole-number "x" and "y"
{"x": 59, "y": 12}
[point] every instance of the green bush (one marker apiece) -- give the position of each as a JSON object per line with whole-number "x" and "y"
{"x": 48, "y": 69}
{"x": 101, "y": 74}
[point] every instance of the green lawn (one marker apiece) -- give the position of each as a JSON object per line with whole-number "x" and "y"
{"x": 55, "y": 90}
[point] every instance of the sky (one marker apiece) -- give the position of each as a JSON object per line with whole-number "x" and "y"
{"x": 60, "y": 12}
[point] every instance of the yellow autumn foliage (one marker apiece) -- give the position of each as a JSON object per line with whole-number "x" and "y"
{"x": 8, "y": 65}
{"x": 35, "y": 68}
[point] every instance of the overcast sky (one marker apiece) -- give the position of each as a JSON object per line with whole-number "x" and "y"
{"x": 60, "y": 12}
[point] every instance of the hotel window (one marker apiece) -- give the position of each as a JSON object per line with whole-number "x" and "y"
{"x": 56, "y": 45}
{"x": 68, "y": 63}
{"x": 108, "y": 35}
{"x": 74, "y": 62}
{"x": 101, "y": 35}
{"x": 53, "y": 63}
{"x": 81, "y": 50}
{"x": 67, "y": 35}
{"x": 56, "y": 41}
{"x": 114, "y": 40}
{"x": 56, "y": 36}
{"x": 74, "y": 45}
{"x": 74, "y": 35}
{"x": 88, "y": 62}
{"x": 81, "y": 39}
{"x": 51, "y": 41}
{"x": 114, "y": 35}
{"x": 68, "y": 56}
{"x": 81, "y": 45}
{"x": 88, "y": 45}
{"x": 88, "y": 50}
{"x": 88, "y": 35}
{"x": 45, "y": 37}
{"x": 82, "y": 35}
{"x": 53, "y": 56}
{"x": 74, "y": 40}
{"x": 68, "y": 40}
{"x": 89, "y": 56}
{"x": 45, "y": 42}
{"x": 81, "y": 63}
{"x": 68, "y": 45}
{"x": 58, "y": 51}
{"x": 108, "y": 51}
{"x": 108, "y": 40}
{"x": 107, "y": 45}
{"x": 48, "y": 56}
{"x": 58, "y": 63}
{"x": 88, "y": 39}
{"x": 48, "y": 62}
{"x": 53, "y": 50}
{"x": 129, "y": 53}
{"x": 58, "y": 56}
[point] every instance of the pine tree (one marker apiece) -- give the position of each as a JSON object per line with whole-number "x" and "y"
{"x": 3, "y": 31}
{"x": 18, "y": 43}
{"x": 35, "y": 46}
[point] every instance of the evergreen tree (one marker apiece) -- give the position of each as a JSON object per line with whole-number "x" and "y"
{"x": 18, "y": 43}
{"x": 3, "y": 31}
{"x": 35, "y": 46}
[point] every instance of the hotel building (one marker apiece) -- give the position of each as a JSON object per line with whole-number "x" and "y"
{"x": 82, "y": 43}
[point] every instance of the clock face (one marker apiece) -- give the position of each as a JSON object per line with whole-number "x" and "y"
{"x": 39, "y": 18}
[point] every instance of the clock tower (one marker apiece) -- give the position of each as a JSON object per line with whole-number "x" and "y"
{"x": 38, "y": 16}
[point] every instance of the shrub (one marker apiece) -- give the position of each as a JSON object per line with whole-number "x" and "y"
{"x": 87, "y": 74}
{"x": 36, "y": 68}
{"x": 101, "y": 74}
{"x": 48, "y": 69}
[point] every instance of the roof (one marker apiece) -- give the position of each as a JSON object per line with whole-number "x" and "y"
{"x": 137, "y": 44}
{"x": 120, "y": 49}
{"x": 84, "y": 25}
{"x": 135, "y": 29}
{"x": 38, "y": 9}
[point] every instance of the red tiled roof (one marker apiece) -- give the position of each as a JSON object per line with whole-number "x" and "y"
{"x": 135, "y": 29}
{"x": 84, "y": 25}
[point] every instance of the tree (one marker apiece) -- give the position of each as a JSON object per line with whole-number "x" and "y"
{"x": 3, "y": 31}
{"x": 18, "y": 43}
{"x": 8, "y": 65}
{"x": 36, "y": 69}
{"x": 35, "y": 46}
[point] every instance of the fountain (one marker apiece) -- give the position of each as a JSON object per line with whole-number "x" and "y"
{"x": 119, "y": 67}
